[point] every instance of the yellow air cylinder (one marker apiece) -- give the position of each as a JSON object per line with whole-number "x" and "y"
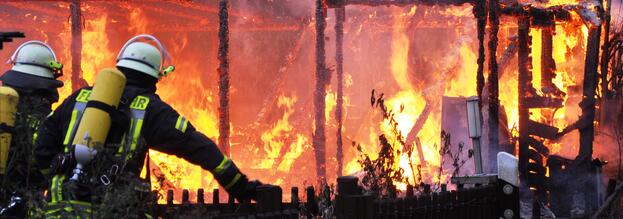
{"x": 95, "y": 123}
{"x": 8, "y": 108}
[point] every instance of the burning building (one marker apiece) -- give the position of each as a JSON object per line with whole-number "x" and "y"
{"x": 284, "y": 86}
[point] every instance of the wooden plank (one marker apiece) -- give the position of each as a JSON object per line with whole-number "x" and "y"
{"x": 541, "y": 130}
{"x": 543, "y": 102}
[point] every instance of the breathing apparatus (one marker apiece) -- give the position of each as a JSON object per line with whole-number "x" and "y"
{"x": 8, "y": 107}
{"x": 96, "y": 119}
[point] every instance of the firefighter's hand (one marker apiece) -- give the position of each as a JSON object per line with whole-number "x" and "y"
{"x": 245, "y": 190}
{"x": 251, "y": 189}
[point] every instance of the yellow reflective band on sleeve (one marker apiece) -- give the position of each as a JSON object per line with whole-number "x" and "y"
{"x": 233, "y": 181}
{"x": 83, "y": 96}
{"x": 72, "y": 122}
{"x": 222, "y": 166}
{"x": 179, "y": 120}
{"x": 184, "y": 126}
{"x": 181, "y": 124}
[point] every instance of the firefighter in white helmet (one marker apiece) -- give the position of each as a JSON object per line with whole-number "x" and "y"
{"x": 150, "y": 124}
{"x": 33, "y": 75}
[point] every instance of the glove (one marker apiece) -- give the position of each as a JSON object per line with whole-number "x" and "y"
{"x": 245, "y": 190}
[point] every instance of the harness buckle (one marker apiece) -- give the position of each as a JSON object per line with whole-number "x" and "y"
{"x": 114, "y": 169}
{"x": 105, "y": 180}
{"x": 123, "y": 100}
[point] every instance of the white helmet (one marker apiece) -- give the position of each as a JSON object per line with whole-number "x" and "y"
{"x": 144, "y": 57}
{"x": 36, "y": 58}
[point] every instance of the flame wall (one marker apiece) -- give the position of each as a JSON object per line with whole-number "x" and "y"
{"x": 415, "y": 55}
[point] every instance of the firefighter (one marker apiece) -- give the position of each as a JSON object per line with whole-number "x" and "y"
{"x": 141, "y": 121}
{"x": 33, "y": 77}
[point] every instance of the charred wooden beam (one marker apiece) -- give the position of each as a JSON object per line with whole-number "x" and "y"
{"x": 508, "y": 54}
{"x": 589, "y": 12}
{"x": 538, "y": 146}
{"x": 524, "y": 62}
{"x": 587, "y": 133}
{"x": 77, "y": 81}
{"x": 340, "y": 15}
{"x": 494, "y": 101}
{"x": 558, "y": 13}
{"x": 278, "y": 83}
{"x": 605, "y": 60}
{"x": 420, "y": 153}
{"x": 415, "y": 130}
{"x": 480, "y": 12}
{"x": 543, "y": 102}
{"x": 38, "y": 8}
{"x": 223, "y": 73}
{"x": 342, "y": 3}
{"x": 612, "y": 202}
{"x": 322, "y": 76}
{"x": 418, "y": 125}
{"x": 541, "y": 130}
{"x": 548, "y": 65}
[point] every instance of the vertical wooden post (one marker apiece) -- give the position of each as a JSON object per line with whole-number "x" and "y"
{"x": 311, "y": 204}
{"x": 587, "y": 132}
{"x": 185, "y": 197}
{"x": 200, "y": 197}
{"x": 548, "y": 65}
{"x": 340, "y": 14}
{"x": 76, "y": 45}
{"x": 170, "y": 197}
{"x": 524, "y": 83}
{"x": 223, "y": 73}
{"x": 319, "y": 138}
{"x": 215, "y": 197}
{"x": 494, "y": 102}
{"x": 294, "y": 200}
{"x": 480, "y": 12}
{"x": 605, "y": 61}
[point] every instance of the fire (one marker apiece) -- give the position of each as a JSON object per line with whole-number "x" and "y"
{"x": 275, "y": 139}
{"x": 277, "y": 148}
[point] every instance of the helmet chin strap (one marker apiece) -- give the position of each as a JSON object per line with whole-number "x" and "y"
{"x": 164, "y": 55}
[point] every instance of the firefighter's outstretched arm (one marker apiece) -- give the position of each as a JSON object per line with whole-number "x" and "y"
{"x": 173, "y": 134}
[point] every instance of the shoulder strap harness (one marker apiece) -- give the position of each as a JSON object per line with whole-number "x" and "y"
{"x": 130, "y": 140}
